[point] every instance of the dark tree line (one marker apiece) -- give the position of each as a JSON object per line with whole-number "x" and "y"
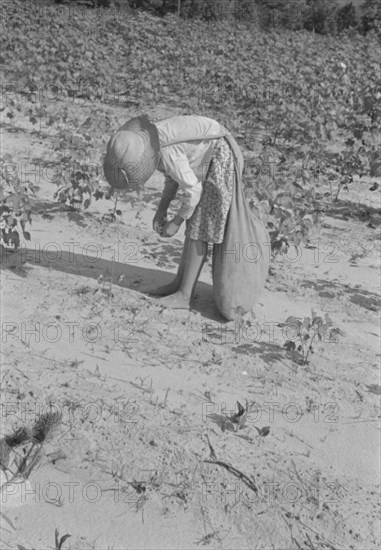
{"x": 321, "y": 16}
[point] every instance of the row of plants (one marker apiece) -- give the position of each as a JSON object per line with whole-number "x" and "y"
{"x": 307, "y": 109}
{"x": 73, "y": 166}
{"x": 322, "y": 16}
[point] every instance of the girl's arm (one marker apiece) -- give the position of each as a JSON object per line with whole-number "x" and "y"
{"x": 178, "y": 169}
{"x": 169, "y": 193}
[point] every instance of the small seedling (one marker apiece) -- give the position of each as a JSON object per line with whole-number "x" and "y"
{"x": 308, "y": 333}
{"x": 207, "y": 539}
{"x": 263, "y": 432}
{"x": 113, "y": 213}
{"x": 60, "y": 541}
{"x": 238, "y": 419}
{"x": 77, "y": 183}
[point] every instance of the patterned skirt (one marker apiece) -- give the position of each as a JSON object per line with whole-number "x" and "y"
{"x": 209, "y": 218}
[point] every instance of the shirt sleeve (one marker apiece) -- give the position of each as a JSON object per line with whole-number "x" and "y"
{"x": 178, "y": 169}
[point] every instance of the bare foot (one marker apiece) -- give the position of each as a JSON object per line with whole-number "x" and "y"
{"x": 175, "y": 301}
{"x": 164, "y": 290}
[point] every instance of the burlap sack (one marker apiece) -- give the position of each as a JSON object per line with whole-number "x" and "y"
{"x": 241, "y": 262}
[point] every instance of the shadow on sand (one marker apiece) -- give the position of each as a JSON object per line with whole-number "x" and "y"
{"x": 129, "y": 276}
{"x": 345, "y": 210}
{"x": 334, "y": 289}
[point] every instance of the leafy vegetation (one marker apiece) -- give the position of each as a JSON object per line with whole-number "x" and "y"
{"x": 15, "y": 207}
{"x": 371, "y": 17}
{"x": 306, "y": 108}
{"x": 304, "y": 335}
{"x": 18, "y": 464}
{"x": 321, "y": 16}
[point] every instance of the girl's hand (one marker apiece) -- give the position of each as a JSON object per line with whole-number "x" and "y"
{"x": 171, "y": 228}
{"x": 159, "y": 221}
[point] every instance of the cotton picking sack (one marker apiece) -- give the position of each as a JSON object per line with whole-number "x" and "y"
{"x": 241, "y": 262}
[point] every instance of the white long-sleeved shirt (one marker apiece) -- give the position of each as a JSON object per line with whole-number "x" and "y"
{"x": 187, "y": 143}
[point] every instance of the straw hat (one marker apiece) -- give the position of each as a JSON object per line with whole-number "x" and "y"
{"x": 132, "y": 154}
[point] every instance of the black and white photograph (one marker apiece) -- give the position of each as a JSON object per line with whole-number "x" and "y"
{"x": 190, "y": 263}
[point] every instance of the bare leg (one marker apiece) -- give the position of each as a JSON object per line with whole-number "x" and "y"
{"x": 194, "y": 260}
{"x": 174, "y": 286}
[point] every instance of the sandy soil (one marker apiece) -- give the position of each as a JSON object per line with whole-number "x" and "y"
{"x": 141, "y": 389}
